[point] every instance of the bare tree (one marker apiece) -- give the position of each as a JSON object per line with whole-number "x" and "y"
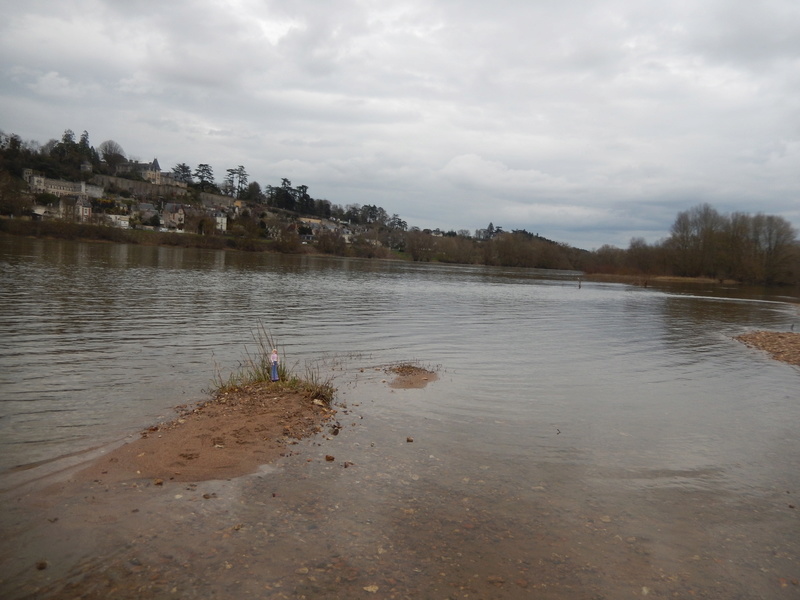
{"x": 111, "y": 152}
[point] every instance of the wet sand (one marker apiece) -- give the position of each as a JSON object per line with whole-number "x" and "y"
{"x": 146, "y": 526}
{"x": 68, "y": 533}
{"x": 231, "y": 435}
{"x": 783, "y": 346}
{"x": 228, "y": 436}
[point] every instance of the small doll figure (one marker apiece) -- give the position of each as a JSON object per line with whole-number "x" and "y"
{"x": 273, "y": 359}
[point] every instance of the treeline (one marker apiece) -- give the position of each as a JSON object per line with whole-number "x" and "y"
{"x": 760, "y": 249}
{"x": 753, "y": 249}
{"x": 60, "y": 159}
{"x": 517, "y": 248}
{"x": 756, "y": 249}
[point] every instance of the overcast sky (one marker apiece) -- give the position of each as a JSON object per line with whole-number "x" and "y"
{"x": 587, "y": 122}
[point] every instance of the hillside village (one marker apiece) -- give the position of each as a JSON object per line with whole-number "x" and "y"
{"x": 70, "y": 182}
{"x": 142, "y": 196}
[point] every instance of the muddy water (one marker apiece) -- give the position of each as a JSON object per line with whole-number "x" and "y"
{"x": 592, "y": 442}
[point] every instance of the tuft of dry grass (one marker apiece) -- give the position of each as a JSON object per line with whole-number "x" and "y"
{"x": 256, "y": 369}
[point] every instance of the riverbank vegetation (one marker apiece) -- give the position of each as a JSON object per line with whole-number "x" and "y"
{"x": 702, "y": 243}
{"x": 248, "y": 421}
{"x": 758, "y": 249}
{"x": 67, "y": 230}
{"x": 255, "y": 370}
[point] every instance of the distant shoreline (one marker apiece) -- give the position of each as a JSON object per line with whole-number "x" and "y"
{"x": 80, "y": 232}
{"x": 645, "y": 280}
{"x": 95, "y": 233}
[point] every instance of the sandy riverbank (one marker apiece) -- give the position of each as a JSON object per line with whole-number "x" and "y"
{"x": 238, "y": 430}
{"x": 149, "y": 490}
{"x": 781, "y": 345}
{"x": 230, "y": 435}
{"x": 157, "y": 518}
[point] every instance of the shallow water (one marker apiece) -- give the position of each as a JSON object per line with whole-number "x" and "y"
{"x": 600, "y": 441}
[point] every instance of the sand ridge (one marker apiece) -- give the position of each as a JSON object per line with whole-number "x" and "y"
{"x": 781, "y": 345}
{"x": 230, "y": 435}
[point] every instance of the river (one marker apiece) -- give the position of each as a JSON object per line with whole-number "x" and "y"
{"x": 582, "y": 441}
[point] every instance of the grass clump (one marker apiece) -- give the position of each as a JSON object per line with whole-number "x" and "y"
{"x": 257, "y": 369}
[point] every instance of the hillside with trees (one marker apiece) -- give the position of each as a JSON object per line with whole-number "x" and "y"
{"x": 758, "y": 249}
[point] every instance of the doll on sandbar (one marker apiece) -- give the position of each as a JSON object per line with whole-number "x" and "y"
{"x": 273, "y": 360}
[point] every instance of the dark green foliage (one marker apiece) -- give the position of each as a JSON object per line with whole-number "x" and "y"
{"x": 45, "y": 199}
{"x": 12, "y": 201}
{"x": 182, "y": 172}
{"x": 205, "y": 177}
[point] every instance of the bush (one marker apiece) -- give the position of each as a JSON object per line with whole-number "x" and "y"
{"x": 256, "y": 368}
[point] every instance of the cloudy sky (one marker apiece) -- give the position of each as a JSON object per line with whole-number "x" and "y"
{"x": 587, "y": 122}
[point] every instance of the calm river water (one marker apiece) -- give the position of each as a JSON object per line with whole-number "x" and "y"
{"x": 592, "y": 441}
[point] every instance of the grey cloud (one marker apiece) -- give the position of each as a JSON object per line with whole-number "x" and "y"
{"x": 586, "y": 122}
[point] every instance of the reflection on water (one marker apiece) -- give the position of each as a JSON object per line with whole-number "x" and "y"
{"x": 602, "y": 441}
